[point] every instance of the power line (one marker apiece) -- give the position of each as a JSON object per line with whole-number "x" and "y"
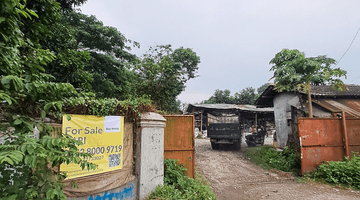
{"x": 349, "y": 46}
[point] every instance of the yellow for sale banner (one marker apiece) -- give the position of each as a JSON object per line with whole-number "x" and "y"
{"x": 101, "y": 136}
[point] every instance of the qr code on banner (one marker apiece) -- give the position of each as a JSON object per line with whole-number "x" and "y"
{"x": 114, "y": 160}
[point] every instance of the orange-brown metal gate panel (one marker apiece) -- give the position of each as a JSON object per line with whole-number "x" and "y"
{"x": 179, "y": 141}
{"x": 324, "y": 139}
{"x": 353, "y": 134}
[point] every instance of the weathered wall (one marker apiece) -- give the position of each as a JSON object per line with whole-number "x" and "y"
{"x": 125, "y": 192}
{"x": 149, "y": 164}
{"x": 282, "y": 113}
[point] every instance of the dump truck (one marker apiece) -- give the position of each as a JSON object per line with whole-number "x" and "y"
{"x": 224, "y": 129}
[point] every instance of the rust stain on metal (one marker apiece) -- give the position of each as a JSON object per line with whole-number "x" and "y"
{"x": 179, "y": 141}
{"x": 324, "y": 139}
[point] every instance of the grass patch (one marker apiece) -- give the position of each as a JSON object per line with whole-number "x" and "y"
{"x": 339, "y": 173}
{"x": 179, "y": 186}
{"x": 268, "y": 158}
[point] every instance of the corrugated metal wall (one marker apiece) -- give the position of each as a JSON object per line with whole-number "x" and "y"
{"x": 324, "y": 139}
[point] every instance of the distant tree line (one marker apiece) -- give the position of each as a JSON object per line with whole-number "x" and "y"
{"x": 245, "y": 96}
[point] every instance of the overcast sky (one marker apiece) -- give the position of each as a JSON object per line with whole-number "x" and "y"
{"x": 236, "y": 39}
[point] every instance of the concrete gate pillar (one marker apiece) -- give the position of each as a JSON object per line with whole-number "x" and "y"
{"x": 149, "y": 161}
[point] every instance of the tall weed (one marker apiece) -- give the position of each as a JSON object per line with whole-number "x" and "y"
{"x": 179, "y": 186}
{"x": 267, "y": 157}
{"x": 346, "y": 173}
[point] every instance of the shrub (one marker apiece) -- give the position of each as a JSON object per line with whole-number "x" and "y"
{"x": 346, "y": 173}
{"x": 179, "y": 186}
{"x": 267, "y": 157}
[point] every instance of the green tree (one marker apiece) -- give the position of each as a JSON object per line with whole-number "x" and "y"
{"x": 262, "y": 88}
{"x": 162, "y": 74}
{"x": 246, "y": 96}
{"x": 294, "y": 72}
{"x": 26, "y": 92}
{"x": 108, "y": 53}
{"x": 219, "y": 97}
{"x": 70, "y": 61}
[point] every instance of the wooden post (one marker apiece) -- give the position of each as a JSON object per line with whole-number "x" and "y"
{"x": 243, "y": 122}
{"x": 256, "y": 123}
{"x": 309, "y": 103}
{"x": 345, "y": 135}
{"x": 201, "y": 120}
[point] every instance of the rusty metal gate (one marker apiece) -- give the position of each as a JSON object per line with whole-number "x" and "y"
{"x": 327, "y": 139}
{"x": 179, "y": 141}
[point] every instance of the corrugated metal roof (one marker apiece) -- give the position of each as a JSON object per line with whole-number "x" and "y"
{"x": 350, "y": 106}
{"x": 249, "y": 108}
{"x": 320, "y": 91}
{"x": 328, "y": 91}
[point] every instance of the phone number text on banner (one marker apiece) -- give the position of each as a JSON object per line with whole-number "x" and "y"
{"x": 101, "y": 136}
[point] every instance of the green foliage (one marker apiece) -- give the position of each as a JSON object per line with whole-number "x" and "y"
{"x": 220, "y": 96}
{"x": 130, "y": 108}
{"x": 162, "y": 74}
{"x": 174, "y": 173}
{"x": 294, "y": 72}
{"x": 28, "y": 164}
{"x": 25, "y": 161}
{"x": 267, "y": 157}
{"x": 262, "y": 88}
{"x": 93, "y": 57}
{"x": 346, "y": 173}
{"x": 108, "y": 55}
{"x": 36, "y": 39}
{"x": 245, "y": 96}
{"x": 179, "y": 186}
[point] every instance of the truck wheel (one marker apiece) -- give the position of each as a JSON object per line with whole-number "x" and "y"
{"x": 237, "y": 145}
{"x": 214, "y": 145}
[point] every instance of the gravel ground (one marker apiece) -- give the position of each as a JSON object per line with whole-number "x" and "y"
{"x": 232, "y": 176}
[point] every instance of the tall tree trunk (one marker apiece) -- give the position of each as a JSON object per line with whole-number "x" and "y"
{"x": 309, "y": 102}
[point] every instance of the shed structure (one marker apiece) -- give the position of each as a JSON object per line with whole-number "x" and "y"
{"x": 248, "y": 115}
{"x": 326, "y": 102}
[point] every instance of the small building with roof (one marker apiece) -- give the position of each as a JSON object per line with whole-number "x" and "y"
{"x": 326, "y": 102}
{"x": 247, "y": 115}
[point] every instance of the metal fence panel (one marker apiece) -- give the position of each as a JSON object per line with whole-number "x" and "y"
{"x": 179, "y": 141}
{"x": 327, "y": 139}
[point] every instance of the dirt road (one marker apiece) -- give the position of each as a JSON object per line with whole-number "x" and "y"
{"x": 232, "y": 176}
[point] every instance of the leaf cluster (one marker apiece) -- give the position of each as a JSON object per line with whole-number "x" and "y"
{"x": 29, "y": 162}
{"x": 30, "y": 166}
{"x": 294, "y": 72}
{"x": 162, "y": 73}
{"x": 130, "y": 108}
{"x": 346, "y": 173}
{"x": 179, "y": 186}
{"x": 108, "y": 57}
